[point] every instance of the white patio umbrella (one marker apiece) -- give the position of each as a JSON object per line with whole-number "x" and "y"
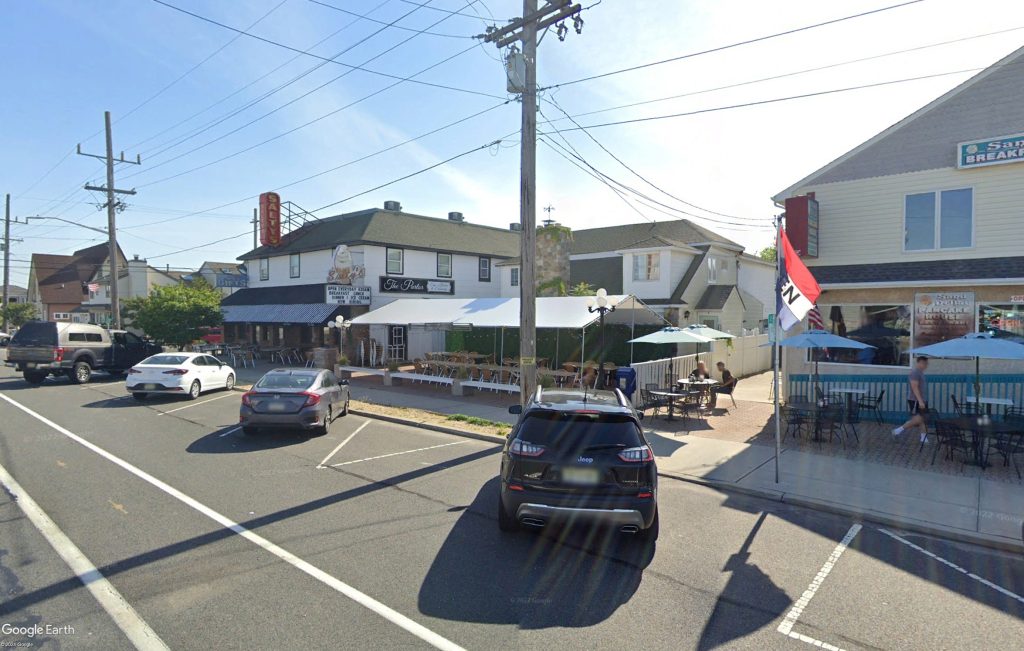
{"x": 977, "y": 345}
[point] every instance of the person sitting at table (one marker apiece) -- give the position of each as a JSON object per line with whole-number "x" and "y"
{"x": 726, "y": 387}
{"x": 699, "y": 373}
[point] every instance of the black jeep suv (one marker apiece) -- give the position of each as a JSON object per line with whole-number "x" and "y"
{"x": 579, "y": 456}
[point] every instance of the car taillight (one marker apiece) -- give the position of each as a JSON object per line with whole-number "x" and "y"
{"x": 311, "y": 399}
{"x": 176, "y": 371}
{"x": 524, "y": 449}
{"x": 645, "y": 494}
{"x": 58, "y": 354}
{"x": 245, "y": 399}
{"x": 133, "y": 370}
{"x": 637, "y": 455}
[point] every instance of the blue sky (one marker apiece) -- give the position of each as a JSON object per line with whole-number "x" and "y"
{"x": 67, "y": 61}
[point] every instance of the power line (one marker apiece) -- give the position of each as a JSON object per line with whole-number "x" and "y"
{"x": 381, "y": 22}
{"x": 455, "y": 13}
{"x": 731, "y": 45}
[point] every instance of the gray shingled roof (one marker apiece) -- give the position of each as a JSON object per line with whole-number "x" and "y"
{"x": 924, "y": 270}
{"x": 599, "y": 272}
{"x": 280, "y": 295}
{"x": 684, "y": 282}
{"x": 715, "y": 297}
{"x": 391, "y": 228}
{"x": 985, "y": 105}
{"x": 616, "y": 238}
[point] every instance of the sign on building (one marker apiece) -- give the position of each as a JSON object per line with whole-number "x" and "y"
{"x": 802, "y": 225}
{"x": 992, "y": 151}
{"x": 270, "y": 219}
{"x": 346, "y": 295}
{"x": 232, "y": 280}
{"x": 939, "y": 316}
{"x": 392, "y": 285}
{"x": 343, "y": 269}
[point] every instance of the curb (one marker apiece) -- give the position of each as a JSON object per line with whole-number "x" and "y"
{"x": 429, "y": 426}
{"x": 947, "y": 533}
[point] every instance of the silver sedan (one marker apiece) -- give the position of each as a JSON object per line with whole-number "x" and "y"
{"x": 291, "y": 398}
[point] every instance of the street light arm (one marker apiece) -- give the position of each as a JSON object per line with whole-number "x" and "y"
{"x": 68, "y": 221}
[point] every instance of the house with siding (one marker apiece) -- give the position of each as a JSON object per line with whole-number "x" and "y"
{"x": 58, "y": 284}
{"x": 918, "y": 234}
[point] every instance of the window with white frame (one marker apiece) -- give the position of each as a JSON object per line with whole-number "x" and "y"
{"x": 646, "y": 266}
{"x": 886, "y": 327}
{"x": 264, "y": 268}
{"x": 444, "y": 265}
{"x": 294, "y": 265}
{"x": 485, "y": 270}
{"x": 939, "y": 220}
{"x": 714, "y": 264}
{"x": 514, "y": 278}
{"x": 396, "y": 262}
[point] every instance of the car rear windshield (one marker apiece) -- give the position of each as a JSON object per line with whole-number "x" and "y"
{"x": 286, "y": 381}
{"x": 564, "y": 430}
{"x": 164, "y": 360}
{"x": 36, "y": 333}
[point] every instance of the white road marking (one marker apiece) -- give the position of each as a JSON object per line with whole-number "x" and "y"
{"x": 786, "y": 627}
{"x": 127, "y": 619}
{"x": 230, "y": 431}
{"x": 194, "y": 404}
{"x": 395, "y": 454}
{"x": 956, "y": 567}
{"x": 341, "y": 445}
{"x": 388, "y": 613}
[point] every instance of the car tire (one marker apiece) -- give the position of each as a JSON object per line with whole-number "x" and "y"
{"x": 505, "y": 521}
{"x": 34, "y": 377}
{"x": 328, "y": 417}
{"x": 250, "y": 431}
{"x": 81, "y": 373}
{"x": 650, "y": 534}
{"x": 194, "y": 390}
{"x": 230, "y": 384}
{"x": 344, "y": 410}
{"x": 139, "y": 395}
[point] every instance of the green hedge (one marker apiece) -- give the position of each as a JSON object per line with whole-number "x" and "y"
{"x": 488, "y": 340}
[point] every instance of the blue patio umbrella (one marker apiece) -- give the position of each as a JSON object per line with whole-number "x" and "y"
{"x": 821, "y": 339}
{"x": 977, "y": 345}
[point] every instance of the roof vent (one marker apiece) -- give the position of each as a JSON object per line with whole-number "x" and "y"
{"x": 455, "y": 217}
{"x": 392, "y": 205}
{"x": 515, "y": 227}
{"x": 136, "y": 256}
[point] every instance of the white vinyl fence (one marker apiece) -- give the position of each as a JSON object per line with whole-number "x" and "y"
{"x": 743, "y": 356}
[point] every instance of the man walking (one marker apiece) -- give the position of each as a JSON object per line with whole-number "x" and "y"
{"x": 917, "y": 403}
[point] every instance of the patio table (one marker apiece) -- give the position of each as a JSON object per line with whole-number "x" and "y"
{"x": 988, "y": 402}
{"x": 850, "y": 392}
{"x": 815, "y": 410}
{"x": 979, "y": 431}
{"x": 671, "y": 396}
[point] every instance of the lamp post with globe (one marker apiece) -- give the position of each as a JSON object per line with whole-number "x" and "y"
{"x": 340, "y": 325}
{"x": 599, "y": 303}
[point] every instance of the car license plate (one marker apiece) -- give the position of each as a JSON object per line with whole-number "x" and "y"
{"x": 30, "y": 365}
{"x": 276, "y": 406}
{"x": 151, "y": 387}
{"x": 580, "y": 476}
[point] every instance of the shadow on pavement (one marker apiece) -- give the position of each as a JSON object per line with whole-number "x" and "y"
{"x": 223, "y": 442}
{"x": 535, "y": 580}
{"x": 663, "y": 446}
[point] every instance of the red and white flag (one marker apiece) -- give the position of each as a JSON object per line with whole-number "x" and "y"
{"x": 94, "y": 287}
{"x": 797, "y": 291}
{"x": 814, "y": 319}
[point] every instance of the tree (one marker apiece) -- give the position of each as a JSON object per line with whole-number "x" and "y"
{"x": 176, "y": 314}
{"x": 767, "y": 253}
{"x": 16, "y": 314}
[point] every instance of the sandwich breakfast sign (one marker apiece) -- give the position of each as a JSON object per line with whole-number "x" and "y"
{"x": 991, "y": 151}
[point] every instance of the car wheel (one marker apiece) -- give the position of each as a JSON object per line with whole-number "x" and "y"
{"x": 505, "y": 521}
{"x": 230, "y": 384}
{"x": 194, "y": 390}
{"x": 650, "y": 534}
{"x": 328, "y": 417}
{"x": 250, "y": 431}
{"x": 139, "y": 395}
{"x": 81, "y": 373}
{"x": 344, "y": 410}
{"x": 34, "y": 377}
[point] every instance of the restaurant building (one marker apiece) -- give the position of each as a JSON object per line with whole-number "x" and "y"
{"x": 349, "y": 264}
{"x": 915, "y": 237}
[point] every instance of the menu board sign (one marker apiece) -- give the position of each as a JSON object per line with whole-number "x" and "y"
{"x": 939, "y": 316}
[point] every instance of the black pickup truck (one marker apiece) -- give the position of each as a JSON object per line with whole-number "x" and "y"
{"x": 42, "y": 348}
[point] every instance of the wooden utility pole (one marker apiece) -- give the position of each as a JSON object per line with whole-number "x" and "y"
{"x": 525, "y": 30}
{"x": 112, "y": 207}
{"x": 255, "y": 226}
{"x": 7, "y": 258}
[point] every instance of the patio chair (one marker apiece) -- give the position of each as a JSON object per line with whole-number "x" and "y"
{"x": 691, "y": 403}
{"x": 797, "y": 421}
{"x": 966, "y": 408}
{"x": 850, "y": 418}
{"x": 953, "y": 440}
{"x": 873, "y": 404}
{"x": 830, "y": 417}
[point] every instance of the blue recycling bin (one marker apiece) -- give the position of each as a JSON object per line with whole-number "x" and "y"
{"x": 625, "y": 380}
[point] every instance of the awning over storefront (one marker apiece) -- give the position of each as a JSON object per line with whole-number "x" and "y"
{"x": 306, "y": 313}
{"x": 552, "y": 312}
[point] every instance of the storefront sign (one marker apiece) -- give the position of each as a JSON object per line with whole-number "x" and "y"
{"x": 346, "y": 295}
{"x": 393, "y": 285}
{"x": 993, "y": 151}
{"x": 802, "y": 225}
{"x": 270, "y": 219}
{"x": 343, "y": 271}
{"x": 942, "y": 315}
{"x": 232, "y": 280}
{"x": 1019, "y": 298}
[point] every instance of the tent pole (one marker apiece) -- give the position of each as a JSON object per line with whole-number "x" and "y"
{"x": 554, "y": 362}
{"x": 583, "y": 345}
{"x": 501, "y": 357}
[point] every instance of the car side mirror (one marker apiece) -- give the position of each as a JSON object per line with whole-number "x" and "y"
{"x": 515, "y": 409}
{"x": 343, "y": 383}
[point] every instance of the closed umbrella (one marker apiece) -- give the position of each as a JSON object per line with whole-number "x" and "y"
{"x": 977, "y": 345}
{"x": 821, "y": 339}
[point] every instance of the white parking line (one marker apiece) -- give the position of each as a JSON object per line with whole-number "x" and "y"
{"x": 127, "y": 619}
{"x": 395, "y": 454}
{"x": 341, "y": 445}
{"x": 956, "y": 567}
{"x": 195, "y": 404}
{"x": 786, "y": 627}
{"x": 391, "y": 615}
{"x": 230, "y": 431}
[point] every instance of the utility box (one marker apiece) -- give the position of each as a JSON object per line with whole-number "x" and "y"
{"x": 515, "y": 70}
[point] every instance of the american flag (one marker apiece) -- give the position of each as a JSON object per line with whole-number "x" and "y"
{"x": 94, "y": 287}
{"x": 814, "y": 319}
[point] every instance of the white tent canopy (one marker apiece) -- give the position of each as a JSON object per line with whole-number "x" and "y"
{"x": 552, "y": 312}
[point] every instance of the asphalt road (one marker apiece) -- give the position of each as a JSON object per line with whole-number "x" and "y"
{"x": 384, "y": 536}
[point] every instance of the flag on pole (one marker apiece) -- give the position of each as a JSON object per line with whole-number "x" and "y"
{"x": 94, "y": 287}
{"x": 814, "y": 319}
{"x": 797, "y": 291}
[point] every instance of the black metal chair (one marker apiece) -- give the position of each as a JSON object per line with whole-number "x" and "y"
{"x": 653, "y": 402}
{"x": 797, "y": 421}
{"x": 851, "y": 418}
{"x": 830, "y": 417}
{"x": 966, "y": 408}
{"x": 1010, "y": 445}
{"x": 873, "y": 404}
{"x": 953, "y": 439}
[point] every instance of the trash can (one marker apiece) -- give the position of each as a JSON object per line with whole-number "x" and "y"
{"x": 625, "y": 380}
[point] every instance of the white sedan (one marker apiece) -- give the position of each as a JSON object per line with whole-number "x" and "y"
{"x": 187, "y": 374}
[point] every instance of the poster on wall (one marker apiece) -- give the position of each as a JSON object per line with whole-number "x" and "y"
{"x": 343, "y": 269}
{"x": 939, "y": 316}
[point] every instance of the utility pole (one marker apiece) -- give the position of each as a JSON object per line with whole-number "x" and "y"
{"x": 7, "y": 256}
{"x": 112, "y": 206}
{"x": 525, "y": 30}
{"x": 255, "y": 223}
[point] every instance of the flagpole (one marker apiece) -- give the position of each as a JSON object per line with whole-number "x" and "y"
{"x": 776, "y": 348}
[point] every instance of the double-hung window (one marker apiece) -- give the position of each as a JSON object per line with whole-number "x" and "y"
{"x": 515, "y": 276}
{"x": 646, "y": 266}
{"x": 713, "y": 266}
{"x": 264, "y": 268}
{"x": 396, "y": 262}
{"x": 294, "y": 265}
{"x": 939, "y": 220}
{"x": 444, "y": 265}
{"x": 485, "y": 270}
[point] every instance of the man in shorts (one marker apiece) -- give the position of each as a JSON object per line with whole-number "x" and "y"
{"x": 917, "y": 403}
